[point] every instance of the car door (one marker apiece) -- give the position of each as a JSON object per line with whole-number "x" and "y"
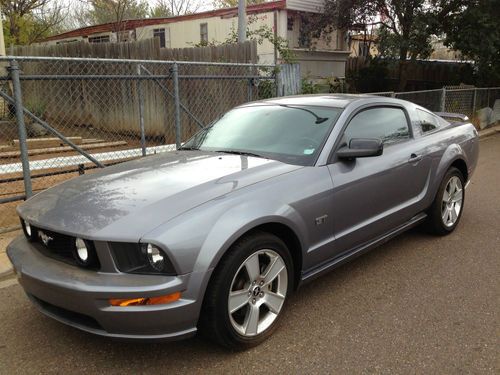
{"x": 373, "y": 195}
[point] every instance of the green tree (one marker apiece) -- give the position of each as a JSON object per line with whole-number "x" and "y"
{"x": 95, "y": 12}
{"x": 161, "y": 8}
{"x": 180, "y": 7}
{"x": 28, "y": 21}
{"x": 476, "y": 33}
{"x": 405, "y": 26}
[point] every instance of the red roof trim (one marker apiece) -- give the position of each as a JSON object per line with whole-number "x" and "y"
{"x": 133, "y": 24}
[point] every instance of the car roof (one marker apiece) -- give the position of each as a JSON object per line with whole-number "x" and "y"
{"x": 324, "y": 100}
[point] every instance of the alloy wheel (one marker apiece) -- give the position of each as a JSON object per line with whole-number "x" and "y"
{"x": 257, "y": 292}
{"x": 451, "y": 204}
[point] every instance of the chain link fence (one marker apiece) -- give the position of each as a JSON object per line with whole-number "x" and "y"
{"x": 81, "y": 114}
{"x": 465, "y": 101}
{"x": 62, "y": 117}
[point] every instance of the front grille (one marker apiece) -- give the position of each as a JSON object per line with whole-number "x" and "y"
{"x": 59, "y": 246}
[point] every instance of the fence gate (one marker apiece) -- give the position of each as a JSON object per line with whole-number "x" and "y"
{"x": 288, "y": 79}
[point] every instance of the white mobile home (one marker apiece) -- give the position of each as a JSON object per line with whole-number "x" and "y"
{"x": 326, "y": 58}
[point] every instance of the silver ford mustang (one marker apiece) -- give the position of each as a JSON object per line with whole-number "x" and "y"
{"x": 215, "y": 236}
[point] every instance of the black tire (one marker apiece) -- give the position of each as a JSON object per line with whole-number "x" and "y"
{"x": 435, "y": 224}
{"x": 215, "y": 321}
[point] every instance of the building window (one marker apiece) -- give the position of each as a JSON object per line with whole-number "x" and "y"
{"x": 67, "y": 41}
{"x": 160, "y": 33}
{"x": 289, "y": 24}
{"x": 204, "y": 33}
{"x": 99, "y": 39}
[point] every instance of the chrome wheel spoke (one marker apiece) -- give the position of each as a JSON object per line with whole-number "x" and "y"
{"x": 273, "y": 270}
{"x": 453, "y": 215}
{"x": 446, "y": 196}
{"x": 444, "y": 214}
{"x": 457, "y": 196}
{"x": 274, "y": 302}
{"x": 237, "y": 300}
{"x": 252, "y": 267}
{"x": 252, "y": 321}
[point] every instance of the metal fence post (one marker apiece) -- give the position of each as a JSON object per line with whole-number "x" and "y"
{"x": 250, "y": 90}
{"x": 21, "y": 126}
{"x": 278, "y": 81}
{"x": 177, "y": 105}
{"x": 141, "y": 111}
{"x": 474, "y": 98}
{"x": 443, "y": 99}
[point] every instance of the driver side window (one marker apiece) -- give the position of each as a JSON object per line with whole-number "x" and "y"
{"x": 388, "y": 124}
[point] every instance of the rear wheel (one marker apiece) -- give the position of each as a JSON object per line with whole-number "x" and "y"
{"x": 446, "y": 211}
{"x": 248, "y": 291}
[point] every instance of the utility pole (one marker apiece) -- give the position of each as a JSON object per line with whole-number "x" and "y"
{"x": 242, "y": 21}
{"x": 2, "y": 42}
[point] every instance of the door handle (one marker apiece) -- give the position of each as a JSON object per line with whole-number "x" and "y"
{"x": 414, "y": 158}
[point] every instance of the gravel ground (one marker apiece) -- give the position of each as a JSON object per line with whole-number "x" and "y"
{"x": 418, "y": 304}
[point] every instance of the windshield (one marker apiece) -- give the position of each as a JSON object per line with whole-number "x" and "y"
{"x": 290, "y": 133}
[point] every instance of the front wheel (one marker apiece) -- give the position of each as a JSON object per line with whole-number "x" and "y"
{"x": 446, "y": 211}
{"x": 248, "y": 291}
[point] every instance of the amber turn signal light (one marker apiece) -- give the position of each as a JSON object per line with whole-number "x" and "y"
{"x": 162, "y": 300}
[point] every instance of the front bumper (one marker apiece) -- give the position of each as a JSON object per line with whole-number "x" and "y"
{"x": 79, "y": 297}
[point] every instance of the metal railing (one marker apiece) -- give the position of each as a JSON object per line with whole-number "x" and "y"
{"x": 455, "y": 100}
{"x": 61, "y": 117}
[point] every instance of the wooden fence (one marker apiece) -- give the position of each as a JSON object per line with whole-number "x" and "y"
{"x": 148, "y": 49}
{"x": 419, "y": 75}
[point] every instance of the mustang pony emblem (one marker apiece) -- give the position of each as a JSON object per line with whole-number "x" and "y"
{"x": 44, "y": 237}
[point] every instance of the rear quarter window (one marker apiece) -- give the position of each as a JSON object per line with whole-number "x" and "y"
{"x": 428, "y": 121}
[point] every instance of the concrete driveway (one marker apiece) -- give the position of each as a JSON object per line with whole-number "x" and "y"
{"x": 418, "y": 304}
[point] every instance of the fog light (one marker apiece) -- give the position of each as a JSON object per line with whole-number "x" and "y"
{"x": 156, "y": 257}
{"x": 28, "y": 231}
{"x": 27, "y": 227}
{"x": 81, "y": 250}
{"x": 162, "y": 300}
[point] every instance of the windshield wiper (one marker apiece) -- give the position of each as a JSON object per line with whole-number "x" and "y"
{"x": 238, "y": 152}
{"x": 188, "y": 149}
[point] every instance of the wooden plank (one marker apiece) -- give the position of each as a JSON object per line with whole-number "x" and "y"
{"x": 52, "y": 150}
{"x": 88, "y": 141}
{"x": 47, "y": 142}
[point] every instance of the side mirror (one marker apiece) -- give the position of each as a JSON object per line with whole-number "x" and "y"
{"x": 361, "y": 148}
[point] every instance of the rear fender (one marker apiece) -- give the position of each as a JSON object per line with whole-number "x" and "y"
{"x": 453, "y": 152}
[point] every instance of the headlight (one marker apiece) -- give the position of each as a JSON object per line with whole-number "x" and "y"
{"x": 84, "y": 253}
{"x": 141, "y": 258}
{"x": 156, "y": 257}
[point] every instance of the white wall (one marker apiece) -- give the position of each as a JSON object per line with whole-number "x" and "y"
{"x": 187, "y": 33}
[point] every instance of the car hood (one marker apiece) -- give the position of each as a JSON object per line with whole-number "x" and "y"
{"x": 125, "y": 201}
